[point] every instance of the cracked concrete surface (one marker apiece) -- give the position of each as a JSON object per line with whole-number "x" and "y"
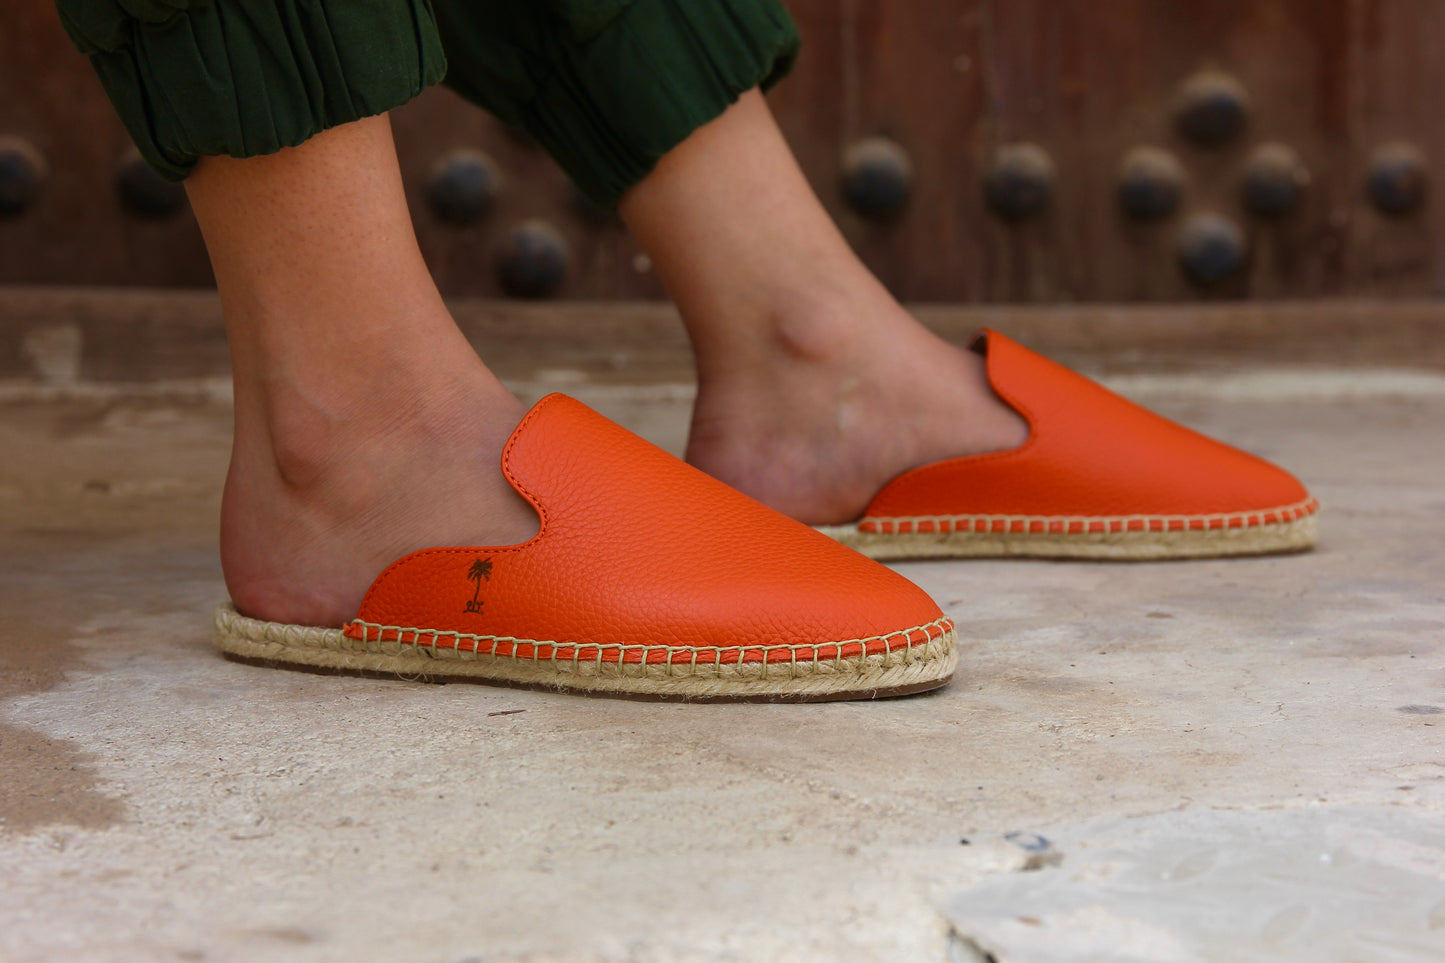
{"x": 161, "y": 803}
{"x": 1328, "y": 884}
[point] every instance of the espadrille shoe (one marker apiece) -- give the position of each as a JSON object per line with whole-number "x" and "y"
{"x": 1099, "y": 477}
{"x": 646, "y": 578}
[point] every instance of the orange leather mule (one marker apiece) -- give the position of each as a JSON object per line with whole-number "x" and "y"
{"x": 645, "y": 578}
{"x": 1098, "y": 477}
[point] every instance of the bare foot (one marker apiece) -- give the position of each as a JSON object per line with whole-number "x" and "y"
{"x": 321, "y": 497}
{"x": 846, "y": 398}
{"x": 815, "y": 388}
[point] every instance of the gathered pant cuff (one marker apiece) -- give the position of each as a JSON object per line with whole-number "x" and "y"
{"x": 609, "y": 87}
{"x": 606, "y": 86}
{"x": 248, "y": 77}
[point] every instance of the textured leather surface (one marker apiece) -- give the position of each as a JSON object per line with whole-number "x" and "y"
{"x": 1089, "y": 453}
{"x": 635, "y": 546}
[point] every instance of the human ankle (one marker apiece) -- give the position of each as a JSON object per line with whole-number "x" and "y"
{"x": 314, "y": 510}
{"x": 812, "y": 330}
{"x": 788, "y": 334}
{"x": 309, "y": 431}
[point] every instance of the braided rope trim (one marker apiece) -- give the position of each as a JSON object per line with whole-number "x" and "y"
{"x": 1077, "y": 525}
{"x": 465, "y": 645}
{"x": 927, "y": 649}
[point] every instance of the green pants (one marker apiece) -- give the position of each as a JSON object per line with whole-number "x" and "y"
{"x": 606, "y": 86}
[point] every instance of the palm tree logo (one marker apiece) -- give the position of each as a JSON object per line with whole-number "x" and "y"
{"x": 481, "y": 571}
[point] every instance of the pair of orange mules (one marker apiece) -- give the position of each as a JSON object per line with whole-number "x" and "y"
{"x": 649, "y": 578}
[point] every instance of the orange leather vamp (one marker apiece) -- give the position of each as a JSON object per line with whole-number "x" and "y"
{"x": 1090, "y": 453}
{"x": 642, "y": 558}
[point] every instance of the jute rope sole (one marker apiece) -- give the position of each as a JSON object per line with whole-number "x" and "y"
{"x": 1264, "y": 539}
{"x": 909, "y": 665}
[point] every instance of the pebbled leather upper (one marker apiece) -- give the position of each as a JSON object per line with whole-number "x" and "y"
{"x": 637, "y": 548}
{"x": 1089, "y": 453}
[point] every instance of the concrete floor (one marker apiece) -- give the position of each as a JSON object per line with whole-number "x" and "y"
{"x": 161, "y": 803}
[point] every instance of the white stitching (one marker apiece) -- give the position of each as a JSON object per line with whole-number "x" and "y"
{"x": 400, "y": 633}
{"x": 1113, "y": 524}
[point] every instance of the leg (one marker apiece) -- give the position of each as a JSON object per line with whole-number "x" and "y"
{"x": 814, "y": 386}
{"x": 365, "y": 425}
{"x": 366, "y": 429}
